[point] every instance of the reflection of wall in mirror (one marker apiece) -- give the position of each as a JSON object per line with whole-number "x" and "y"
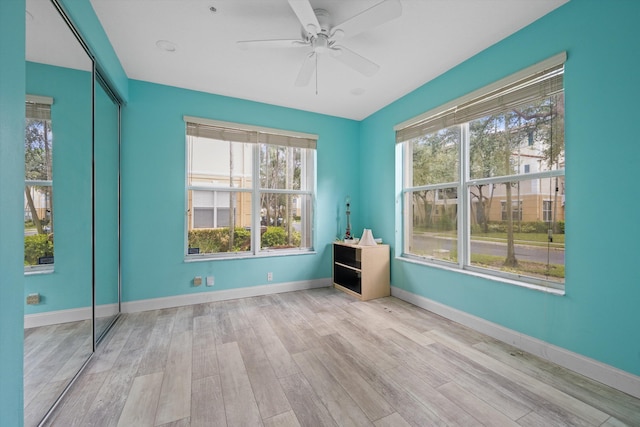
{"x": 71, "y": 117}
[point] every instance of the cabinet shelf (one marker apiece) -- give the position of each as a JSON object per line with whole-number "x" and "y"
{"x": 347, "y": 266}
{"x": 361, "y": 271}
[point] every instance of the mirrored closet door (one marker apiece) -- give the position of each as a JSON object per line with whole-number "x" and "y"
{"x": 71, "y": 209}
{"x": 107, "y": 206}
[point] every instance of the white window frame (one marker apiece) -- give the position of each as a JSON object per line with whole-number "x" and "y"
{"x": 547, "y": 214}
{"x": 42, "y": 100}
{"x": 308, "y": 183}
{"x": 411, "y": 129}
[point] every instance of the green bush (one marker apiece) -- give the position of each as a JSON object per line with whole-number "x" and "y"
{"x": 522, "y": 227}
{"x": 36, "y": 246}
{"x": 274, "y": 236}
{"x": 446, "y": 223}
{"x": 213, "y": 240}
{"x": 277, "y": 236}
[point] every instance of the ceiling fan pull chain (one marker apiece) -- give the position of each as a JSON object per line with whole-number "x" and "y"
{"x": 316, "y": 75}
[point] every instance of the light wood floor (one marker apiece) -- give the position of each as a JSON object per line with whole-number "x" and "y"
{"x": 320, "y": 357}
{"x": 53, "y": 354}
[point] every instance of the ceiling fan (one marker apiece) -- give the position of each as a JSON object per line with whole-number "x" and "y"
{"x": 322, "y": 37}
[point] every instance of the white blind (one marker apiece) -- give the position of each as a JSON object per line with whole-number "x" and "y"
{"x": 538, "y": 83}
{"x": 225, "y": 131}
{"x": 221, "y": 133}
{"x": 38, "y": 107}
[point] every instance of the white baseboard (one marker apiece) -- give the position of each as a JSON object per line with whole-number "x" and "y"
{"x": 106, "y": 310}
{"x": 70, "y": 315}
{"x": 227, "y": 294}
{"x": 606, "y": 374}
{"x": 84, "y": 313}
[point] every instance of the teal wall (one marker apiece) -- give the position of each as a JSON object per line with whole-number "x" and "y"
{"x": 153, "y": 191}
{"x": 12, "y": 86}
{"x": 87, "y": 23}
{"x": 69, "y": 286}
{"x": 598, "y": 317}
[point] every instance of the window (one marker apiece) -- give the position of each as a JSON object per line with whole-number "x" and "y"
{"x": 38, "y": 190}
{"x": 471, "y": 198}
{"x": 516, "y": 210}
{"x": 547, "y": 211}
{"x": 250, "y": 190}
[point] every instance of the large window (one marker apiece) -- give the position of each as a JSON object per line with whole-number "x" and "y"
{"x": 250, "y": 190}
{"x": 38, "y": 185}
{"x": 483, "y": 179}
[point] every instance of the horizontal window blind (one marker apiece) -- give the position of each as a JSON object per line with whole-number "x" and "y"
{"x": 513, "y": 92}
{"x": 245, "y": 133}
{"x": 288, "y": 141}
{"x": 38, "y": 107}
{"x": 223, "y": 134}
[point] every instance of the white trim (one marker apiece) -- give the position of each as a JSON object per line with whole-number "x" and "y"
{"x": 65, "y": 316}
{"x": 55, "y": 317}
{"x": 555, "y": 60}
{"x": 106, "y": 310}
{"x": 39, "y": 99}
{"x": 496, "y": 276}
{"x": 606, "y": 374}
{"x": 223, "y": 295}
{"x": 251, "y": 128}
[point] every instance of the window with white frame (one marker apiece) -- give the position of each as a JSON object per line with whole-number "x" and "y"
{"x": 547, "y": 211}
{"x": 469, "y": 202}
{"x": 516, "y": 210}
{"x": 250, "y": 190}
{"x": 38, "y": 190}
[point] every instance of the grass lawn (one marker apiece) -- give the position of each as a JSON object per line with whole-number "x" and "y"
{"x": 535, "y": 269}
{"x": 555, "y": 272}
{"x": 533, "y": 239}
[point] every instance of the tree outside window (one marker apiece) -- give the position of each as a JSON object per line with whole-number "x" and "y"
{"x": 38, "y": 192}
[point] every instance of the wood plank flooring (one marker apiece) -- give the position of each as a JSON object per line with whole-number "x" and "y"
{"x": 322, "y": 358}
{"x": 52, "y": 356}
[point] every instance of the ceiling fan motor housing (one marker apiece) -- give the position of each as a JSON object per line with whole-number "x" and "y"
{"x": 323, "y": 20}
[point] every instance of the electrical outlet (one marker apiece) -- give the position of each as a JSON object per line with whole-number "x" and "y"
{"x": 197, "y": 281}
{"x": 33, "y": 299}
{"x": 269, "y": 276}
{"x": 210, "y": 281}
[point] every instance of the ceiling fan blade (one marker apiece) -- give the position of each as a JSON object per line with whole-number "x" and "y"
{"x": 251, "y": 44}
{"x": 306, "y": 15}
{"x": 307, "y": 69}
{"x": 355, "y": 61}
{"x": 372, "y": 17}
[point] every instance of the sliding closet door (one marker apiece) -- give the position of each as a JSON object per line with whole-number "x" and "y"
{"x": 58, "y": 208}
{"x": 107, "y": 206}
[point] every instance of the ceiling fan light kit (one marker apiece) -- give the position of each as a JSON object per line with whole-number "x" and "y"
{"x": 321, "y": 37}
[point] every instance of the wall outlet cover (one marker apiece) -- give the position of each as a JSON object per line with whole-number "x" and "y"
{"x": 197, "y": 281}
{"x": 209, "y": 280}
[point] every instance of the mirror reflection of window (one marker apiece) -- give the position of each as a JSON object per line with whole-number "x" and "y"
{"x": 38, "y": 190}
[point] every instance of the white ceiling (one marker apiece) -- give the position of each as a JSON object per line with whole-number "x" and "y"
{"x": 429, "y": 38}
{"x": 48, "y": 39}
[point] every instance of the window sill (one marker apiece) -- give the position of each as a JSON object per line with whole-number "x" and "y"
{"x": 540, "y": 288}
{"x": 262, "y": 254}
{"x": 33, "y": 271}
